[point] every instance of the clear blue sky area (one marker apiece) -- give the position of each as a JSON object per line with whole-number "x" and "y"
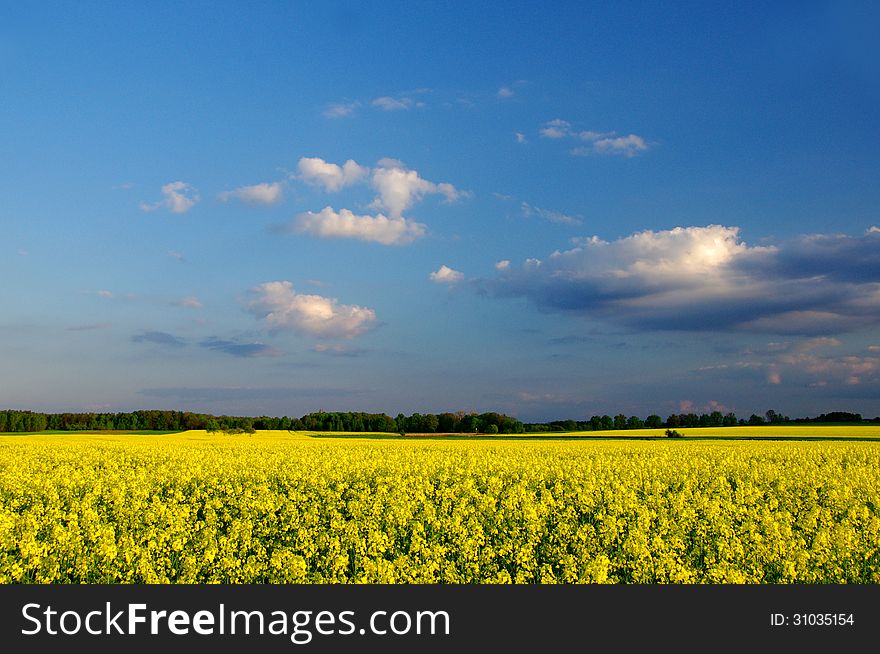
{"x": 549, "y": 210}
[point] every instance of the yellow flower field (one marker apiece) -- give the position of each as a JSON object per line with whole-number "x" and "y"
{"x": 282, "y": 508}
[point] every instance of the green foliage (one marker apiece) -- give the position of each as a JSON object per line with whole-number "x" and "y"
{"x": 351, "y": 421}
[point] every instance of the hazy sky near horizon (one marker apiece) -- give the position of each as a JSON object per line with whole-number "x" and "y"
{"x": 551, "y": 211}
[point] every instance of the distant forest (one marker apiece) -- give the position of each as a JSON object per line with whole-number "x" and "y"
{"x": 417, "y": 423}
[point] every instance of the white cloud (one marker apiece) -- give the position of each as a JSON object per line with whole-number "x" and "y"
{"x": 873, "y": 230}
{"x": 387, "y": 103}
{"x": 340, "y": 109}
{"x": 344, "y": 224}
{"x": 177, "y": 256}
{"x": 589, "y": 135}
{"x": 265, "y": 193}
{"x": 105, "y": 294}
{"x": 812, "y": 362}
{"x": 547, "y": 214}
{"x": 317, "y": 172}
{"x": 707, "y": 279}
{"x": 599, "y": 142}
{"x": 400, "y": 188}
{"x": 281, "y": 307}
{"x": 446, "y": 275}
{"x": 504, "y": 264}
{"x": 189, "y": 302}
{"x": 627, "y": 146}
{"x": 520, "y": 137}
{"x": 556, "y": 129}
{"x": 505, "y": 92}
{"x": 180, "y": 197}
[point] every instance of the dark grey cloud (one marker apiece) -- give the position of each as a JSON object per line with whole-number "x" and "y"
{"x": 88, "y": 327}
{"x": 158, "y": 338}
{"x": 707, "y": 279}
{"x": 828, "y": 257}
{"x": 234, "y": 393}
{"x": 571, "y": 339}
{"x": 236, "y": 349}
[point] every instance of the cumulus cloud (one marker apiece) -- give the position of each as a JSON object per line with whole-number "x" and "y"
{"x": 399, "y": 188}
{"x": 549, "y": 215}
{"x": 707, "y": 278}
{"x": 282, "y": 308}
{"x": 505, "y": 92}
{"x": 108, "y": 295}
{"x": 504, "y": 264}
{"x": 626, "y": 146}
{"x": 179, "y": 197}
{"x": 446, "y": 275}
{"x": 340, "y": 109}
{"x": 328, "y": 223}
{"x": 610, "y": 143}
{"x": 387, "y": 103}
{"x": 556, "y": 129}
{"x": 265, "y": 193}
{"x": 317, "y": 172}
{"x": 808, "y": 362}
{"x": 520, "y": 137}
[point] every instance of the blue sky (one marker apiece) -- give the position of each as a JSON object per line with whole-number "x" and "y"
{"x": 548, "y": 210}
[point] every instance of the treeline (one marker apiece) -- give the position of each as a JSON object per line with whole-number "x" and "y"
{"x": 460, "y": 422}
{"x": 417, "y": 423}
{"x": 713, "y": 419}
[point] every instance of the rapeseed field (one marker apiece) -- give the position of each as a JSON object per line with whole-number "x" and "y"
{"x": 286, "y": 508}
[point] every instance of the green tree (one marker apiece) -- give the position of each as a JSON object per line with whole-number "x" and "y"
{"x": 634, "y": 422}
